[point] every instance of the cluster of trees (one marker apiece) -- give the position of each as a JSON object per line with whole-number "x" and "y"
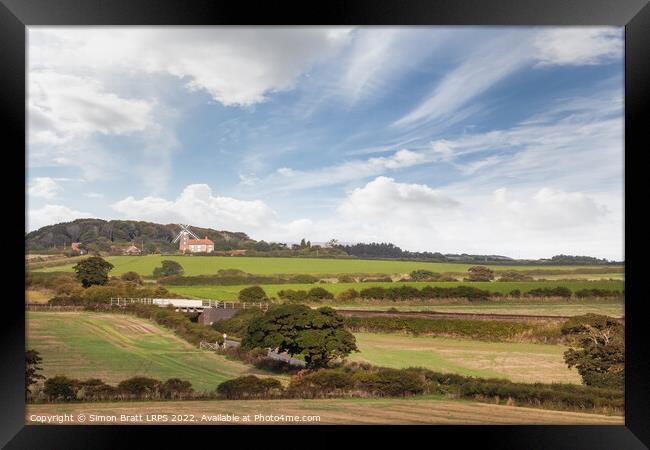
{"x": 598, "y": 349}
{"x": 318, "y": 335}
{"x": 63, "y": 389}
{"x": 96, "y": 235}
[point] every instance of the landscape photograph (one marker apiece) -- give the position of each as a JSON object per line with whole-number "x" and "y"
{"x": 325, "y": 225}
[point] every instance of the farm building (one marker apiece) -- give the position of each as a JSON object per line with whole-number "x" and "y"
{"x": 132, "y": 250}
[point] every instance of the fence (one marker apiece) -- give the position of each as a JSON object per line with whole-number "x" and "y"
{"x": 185, "y": 303}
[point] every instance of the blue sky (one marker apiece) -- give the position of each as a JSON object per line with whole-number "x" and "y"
{"x": 454, "y": 139}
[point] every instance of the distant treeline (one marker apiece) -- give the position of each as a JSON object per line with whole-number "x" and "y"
{"x": 386, "y": 250}
{"x": 405, "y": 292}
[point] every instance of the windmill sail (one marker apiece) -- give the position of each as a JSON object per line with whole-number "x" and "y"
{"x": 185, "y": 229}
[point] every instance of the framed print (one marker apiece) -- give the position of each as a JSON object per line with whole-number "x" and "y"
{"x": 406, "y": 214}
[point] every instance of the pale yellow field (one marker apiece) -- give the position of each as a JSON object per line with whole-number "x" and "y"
{"x": 522, "y": 362}
{"x": 416, "y": 410}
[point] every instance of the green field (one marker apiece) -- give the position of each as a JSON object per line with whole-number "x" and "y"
{"x": 415, "y": 410}
{"x": 231, "y": 292}
{"x": 114, "y": 347}
{"x": 205, "y": 265}
{"x": 521, "y": 362}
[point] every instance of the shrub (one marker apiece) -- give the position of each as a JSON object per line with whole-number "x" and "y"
{"x": 514, "y": 275}
{"x": 168, "y": 268}
{"x": 132, "y": 277}
{"x": 424, "y": 275}
{"x": 318, "y": 294}
{"x": 293, "y": 296}
{"x": 480, "y": 273}
{"x": 249, "y": 386}
{"x": 348, "y": 294}
{"x": 584, "y": 293}
{"x": 559, "y": 291}
{"x": 253, "y": 294}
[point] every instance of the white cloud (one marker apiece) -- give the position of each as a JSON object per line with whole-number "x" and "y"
{"x": 65, "y": 107}
{"x": 495, "y": 60}
{"x": 487, "y": 65}
{"x": 579, "y": 46}
{"x": 384, "y": 195}
{"x": 348, "y": 170}
{"x": 549, "y": 209}
{"x": 51, "y": 214}
{"x": 197, "y": 205}
{"x": 44, "y": 187}
{"x": 235, "y": 65}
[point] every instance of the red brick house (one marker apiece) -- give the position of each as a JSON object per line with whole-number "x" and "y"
{"x": 196, "y": 245}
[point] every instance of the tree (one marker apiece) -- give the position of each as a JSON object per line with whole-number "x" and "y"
{"x": 132, "y": 277}
{"x": 600, "y": 353}
{"x": 92, "y": 271}
{"x": 480, "y": 273}
{"x": 168, "y": 268}
{"x": 253, "y": 294}
{"x": 140, "y": 387}
{"x": 60, "y": 387}
{"x": 176, "y": 388}
{"x": 317, "y": 334}
{"x": 32, "y": 367}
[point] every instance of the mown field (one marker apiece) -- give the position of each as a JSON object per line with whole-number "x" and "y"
{"x": 522, "y": 362}
{"x": 231, "y": 292}
{"x": 416, "y": 410}
{"x": 114, "y": 347}
{"x": 205, "y": 265}
{"x": 614, "y": 308}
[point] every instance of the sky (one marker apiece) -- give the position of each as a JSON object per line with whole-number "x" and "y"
{"x": 482, "y": 140}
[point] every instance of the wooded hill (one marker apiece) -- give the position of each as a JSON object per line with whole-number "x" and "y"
{"x": 101, "y": 235}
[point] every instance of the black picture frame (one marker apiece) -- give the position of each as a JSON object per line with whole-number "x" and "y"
{"x": 16, "y": 15}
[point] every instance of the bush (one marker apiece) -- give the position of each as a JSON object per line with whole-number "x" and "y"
{"x": 167, "y": 269}
{"x": 248, "y": 387}
{"x": 252, "y": 294}
{"x": 585, "y": 293}
{"x": 318, "y": 294}
{"x": 424, "y": 275}
{"x": 132, "y": 277}
{"x": 348, "y": 294}
{"x": 293, "y": 296}
{"x": 559, "y": 291}
{"x": 514, "y": 275}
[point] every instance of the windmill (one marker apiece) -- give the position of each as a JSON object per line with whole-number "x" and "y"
{"x": 183, "y": 236}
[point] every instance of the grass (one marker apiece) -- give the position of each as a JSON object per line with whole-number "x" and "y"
{"x": 205, "y": 265}
{"x": 416, "y": 410}
{"x": 520, "y": 362}
{"x": 231, "y": 292}
{"x": 114, "y": 347}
